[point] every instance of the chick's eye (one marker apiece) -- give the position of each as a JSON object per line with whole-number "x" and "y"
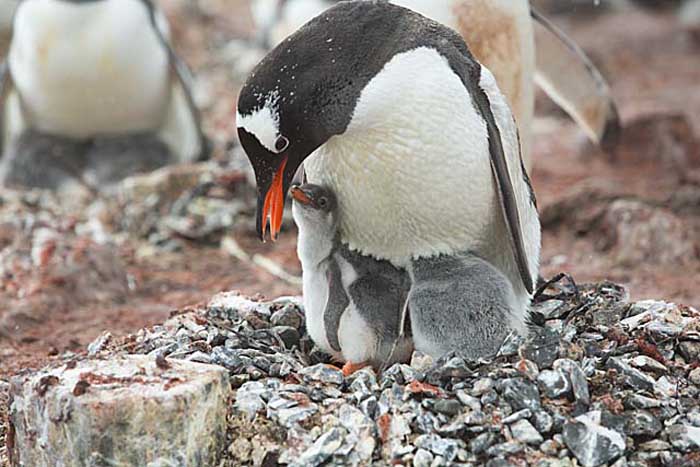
{"x": 281, "y": 143}
{"x": 323, "y": 202}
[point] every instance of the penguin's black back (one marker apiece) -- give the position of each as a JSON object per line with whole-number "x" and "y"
{"x": 331, "y": 59}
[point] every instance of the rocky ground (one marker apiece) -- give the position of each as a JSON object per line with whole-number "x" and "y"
{"x": 73, "y": 266}
{"x": 602, "y": 381}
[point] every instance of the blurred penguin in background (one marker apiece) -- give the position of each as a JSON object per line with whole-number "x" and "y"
{"x": 7, "y": 13}
{"x": 520, "y": 47}
{"x": 93, "y": 88}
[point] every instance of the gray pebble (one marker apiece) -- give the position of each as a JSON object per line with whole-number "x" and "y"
{"x": 322, "y": 449}
{"x": 553, "y": 384}
{"x": 446, "y": 448}
{"x": 482, "y": 386}
{"x": 684, "y": 437}
{"x": 577, "y": 378}
{"x": 543, "y": 422}
{"x": 449, "y": 407}
{"x": 642, "y": 422}
{"x": 523, "y": 431}
{"x": 520, "y": 393}
{"x": 288, "y": 335}
{"x": 633, "y": 377}
{"x": 504, "y": 449}
{"x": 422, "y": 458}
{"x": 515, "y": 416}
{"x": 322, "y": 373}
{"x": 288, "y": 315}
{"x": 482, "y": 442}
{"x": 591, "y": 443}
{"x": 543, "y": 348}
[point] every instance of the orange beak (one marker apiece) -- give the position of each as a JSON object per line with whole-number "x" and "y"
{"x": 300, "y": 196}
{"x": 274, "y": 203}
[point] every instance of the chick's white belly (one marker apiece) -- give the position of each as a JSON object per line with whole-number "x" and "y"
{"x": 358, "y": 341}
{"x": 87, "y": 69}
{"x": 315, "y": 294}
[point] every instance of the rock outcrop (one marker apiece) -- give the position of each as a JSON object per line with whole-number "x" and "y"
{"x": 128, "y": 410}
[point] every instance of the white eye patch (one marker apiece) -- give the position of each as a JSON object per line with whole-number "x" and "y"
{"x": 263, "y": 123}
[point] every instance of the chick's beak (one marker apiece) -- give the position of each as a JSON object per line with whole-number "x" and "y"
{"x": 300, "y": 196}
{"x": 273, "y": 206}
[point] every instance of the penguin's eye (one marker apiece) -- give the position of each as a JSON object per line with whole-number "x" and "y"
{"x": 323, "y": 202}
{"x": 281, "y": 143}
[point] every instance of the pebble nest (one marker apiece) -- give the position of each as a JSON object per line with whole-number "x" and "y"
{"x": 600, "y": 381}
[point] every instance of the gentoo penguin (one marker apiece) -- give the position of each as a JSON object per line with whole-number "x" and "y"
{"x": 390, "y": 110}
{"x": 353, "y": 303}
{"x": 459, "y": 304}
{"x": 82, "y": 69}
{"x": 503, "y": 37}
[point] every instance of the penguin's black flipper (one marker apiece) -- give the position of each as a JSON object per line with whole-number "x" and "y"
{"x": 6, "y": 85}
{"x": 182, "y": 128}
{"x": 12, "y": 121}
{"x": 512, "y": 184}
{"x": 182, "y": 89}
{"x": 509, "y": 205}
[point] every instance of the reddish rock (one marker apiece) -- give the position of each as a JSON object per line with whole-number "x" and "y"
{"x": 637, "y": 233}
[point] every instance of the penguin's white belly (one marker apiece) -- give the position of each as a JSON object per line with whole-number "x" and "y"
{"x": 412, "y": 178}
{"x": 89, "y": 68}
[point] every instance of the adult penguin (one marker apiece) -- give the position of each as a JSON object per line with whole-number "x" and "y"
{"x": 390, "y": 110}
{"x": 517, "y": 44}
{"x": 80, "y": 69}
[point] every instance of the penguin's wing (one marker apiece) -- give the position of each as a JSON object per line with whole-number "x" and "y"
{"x": 513, "y": 186}
{"x": 571, "y": 80}
{"x": 515, "y": 194}
{"x": 182, "y": 130}
{"x": 336, "y": 305}
{"x": 5, "y": 88}
{"x": 12, "y": 121}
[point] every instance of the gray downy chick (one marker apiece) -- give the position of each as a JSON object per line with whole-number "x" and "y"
{"x": 353, "y": 303}
{"x": 461, "y": 304}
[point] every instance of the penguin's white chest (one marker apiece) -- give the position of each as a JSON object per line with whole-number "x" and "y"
{"x": 83, "y": 69}
{"x": 412, "y": 172}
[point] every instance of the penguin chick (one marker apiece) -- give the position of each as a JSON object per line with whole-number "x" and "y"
{"x": 460, "y": 304}
{"x": 353, "y": 303}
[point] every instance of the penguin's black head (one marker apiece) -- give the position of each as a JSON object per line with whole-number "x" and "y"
{"x": 304, "y": 92}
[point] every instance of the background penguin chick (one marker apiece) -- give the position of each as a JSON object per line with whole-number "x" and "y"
{"x": 460, "y": 304}
{"x": 353, "y": 303}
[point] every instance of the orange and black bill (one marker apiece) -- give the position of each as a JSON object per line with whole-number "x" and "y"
{"x": 271, "y": 203}
{"x": 274, "y": 173}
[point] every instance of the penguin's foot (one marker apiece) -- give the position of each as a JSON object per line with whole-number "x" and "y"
{"x": 350, "y": 367}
